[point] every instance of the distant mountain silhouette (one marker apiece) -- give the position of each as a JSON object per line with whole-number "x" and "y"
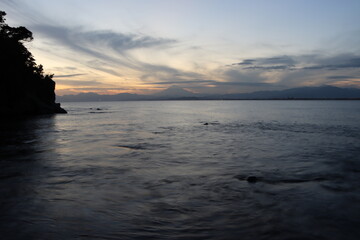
{"x": 94, "y": 97}
{"x": 174, "y": 92}
{"x": 177, "y": 93}
{"x": 322, "y": 92}
{"x": 24, "y": 88}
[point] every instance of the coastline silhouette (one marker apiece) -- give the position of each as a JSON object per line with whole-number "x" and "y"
{"x": 24, "y": 87}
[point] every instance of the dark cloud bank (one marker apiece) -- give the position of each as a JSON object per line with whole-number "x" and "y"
{"x": 315, "y": 62}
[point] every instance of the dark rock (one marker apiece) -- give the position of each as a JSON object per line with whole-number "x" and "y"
{"x": 252, "y": 179}
{"x": 59, "y": 109}
{"x": 206, "y": 123}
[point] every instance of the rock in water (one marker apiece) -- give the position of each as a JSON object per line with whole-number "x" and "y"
{"x": 252, "y": 179}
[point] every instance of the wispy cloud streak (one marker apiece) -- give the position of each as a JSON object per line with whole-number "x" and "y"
{"x": 69, "y": 75}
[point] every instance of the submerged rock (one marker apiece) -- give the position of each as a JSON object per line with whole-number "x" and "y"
{"x": 252, "y": 179}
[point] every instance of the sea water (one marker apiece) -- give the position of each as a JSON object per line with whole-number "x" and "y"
{"x": 180, "y": 170}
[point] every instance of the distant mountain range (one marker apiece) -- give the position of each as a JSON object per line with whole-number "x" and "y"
{"x": 177, "y": 93}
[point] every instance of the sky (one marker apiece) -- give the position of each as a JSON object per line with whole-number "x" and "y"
{"x": 204, "y": 46}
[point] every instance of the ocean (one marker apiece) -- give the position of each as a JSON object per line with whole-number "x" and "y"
{"x": 183, "y": 170}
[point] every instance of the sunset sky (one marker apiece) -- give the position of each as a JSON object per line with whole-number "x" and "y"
{"x": 205, "y": 46}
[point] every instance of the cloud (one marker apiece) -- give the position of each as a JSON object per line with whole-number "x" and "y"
{"x": 342, "y": 61}
{"x": 106, "y": 51}
{"x": 296, "y": 70}
{"x": 271, "y": 63}
{"x": 122, "y": 42}
{"x": 78, "y": 83}
{"x": 268, "y": 64}
{"x": 245, "y": 84}
{"x": 98, "y": 88}
{"x": 94, "y": 43}
{"x": 306, "y": 62}
{"x": 245, "y": 62}
{"x": 69, "y": 75}
{"x": 77, "y": 38}
{"x": 206, "y": 86}
{"x": 283, "y": 60}
{"x": 103, "y": 67}
{"x": 210, "y": 82}
{"x": 197, "y": 81}
{"x": 275, "y": 67}
{"x": 236, "y": 75}
{"x": 342, "y": 77}
{"x": 163, "y": 75}
{"x": 109, "y": 51}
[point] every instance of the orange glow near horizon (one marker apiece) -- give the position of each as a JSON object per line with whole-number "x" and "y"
{"x": 63, "y": 90}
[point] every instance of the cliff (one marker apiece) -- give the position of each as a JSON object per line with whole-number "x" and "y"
{"x": 24, "y": 88}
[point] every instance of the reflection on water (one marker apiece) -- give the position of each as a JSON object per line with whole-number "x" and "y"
{"x": 25, "y": 144}
{"x": 156, "y": 170}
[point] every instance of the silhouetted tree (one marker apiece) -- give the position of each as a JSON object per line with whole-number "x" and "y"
{"x": 24, "y": 88}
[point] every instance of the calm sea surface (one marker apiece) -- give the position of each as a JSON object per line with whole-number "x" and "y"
{"x": 179, "y": 170}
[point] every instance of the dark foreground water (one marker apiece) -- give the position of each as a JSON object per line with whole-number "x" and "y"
{"x": 178, "y": 170}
